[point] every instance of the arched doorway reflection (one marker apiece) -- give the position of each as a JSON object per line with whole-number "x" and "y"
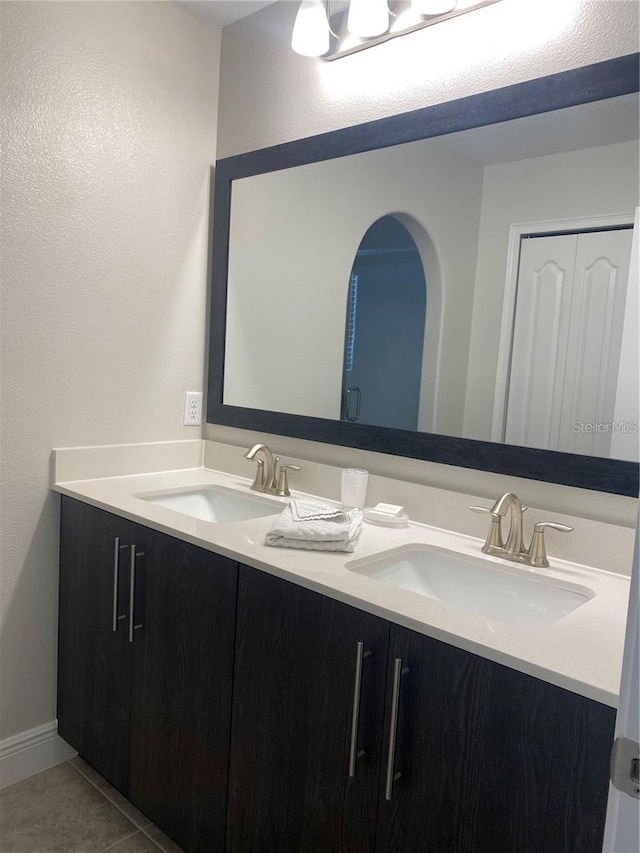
{"x": 385, "y": 329}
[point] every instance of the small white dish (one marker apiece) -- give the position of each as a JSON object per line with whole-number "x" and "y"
{"x": 383, "y": 519}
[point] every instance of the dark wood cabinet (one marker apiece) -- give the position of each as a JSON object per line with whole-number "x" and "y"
{"x": 290, "y": 789}
{"x": 225, "y": 712}
{"x": 181, "y": 691}
{"x": 475, "y": 757}
{"x": 490, "y": 759}
{"x": 94, "y": 661}
{"x": 149, "y": 709}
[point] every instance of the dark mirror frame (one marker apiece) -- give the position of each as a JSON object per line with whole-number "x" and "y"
{"x": 596, "y": 82}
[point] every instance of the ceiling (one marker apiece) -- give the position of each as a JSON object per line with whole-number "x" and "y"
{"x": 223, "y": 12}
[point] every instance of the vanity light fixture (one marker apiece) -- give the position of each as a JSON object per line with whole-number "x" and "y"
{"x": 368, "y": 18}
{"x": 365, "y": 23}
{"x": 311, "y": 29}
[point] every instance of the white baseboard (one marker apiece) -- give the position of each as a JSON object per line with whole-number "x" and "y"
{"x": 30, "y": 752}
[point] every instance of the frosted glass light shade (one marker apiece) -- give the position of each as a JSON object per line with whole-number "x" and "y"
{"x": 405, "y": 21}
{"x": 311, "y": 29}
{"x": 368, "y": 18}
{"x": 433, "y": 7}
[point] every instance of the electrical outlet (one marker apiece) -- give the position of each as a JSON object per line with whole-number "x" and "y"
{"x": 192, "y": 408}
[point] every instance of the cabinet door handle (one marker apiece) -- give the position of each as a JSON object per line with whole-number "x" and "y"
{"x": 353, "y": 753}
{"x": 117, "y": 547}
{"x": 132, "y": 590}
{"x": 398, "y": 672}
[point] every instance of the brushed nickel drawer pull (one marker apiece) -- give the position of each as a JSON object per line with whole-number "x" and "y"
{"x": 398, "y": 672}
{"x": 117, "y": 547}
{"x": 132, "y": 590}
{"x": 355, "y": 715}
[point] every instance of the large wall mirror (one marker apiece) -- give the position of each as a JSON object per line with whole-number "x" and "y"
{"x": 450, "y": 284}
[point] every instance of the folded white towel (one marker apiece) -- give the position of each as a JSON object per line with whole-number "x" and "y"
{"x": 303, "y": 510}
{"x": 315, "y": 527}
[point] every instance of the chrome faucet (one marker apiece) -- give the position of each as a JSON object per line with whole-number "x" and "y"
{"x": 535, "y": 555}
{"x": 269, "y": 478}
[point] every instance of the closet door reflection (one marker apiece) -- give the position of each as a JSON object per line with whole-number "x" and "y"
{"x": 385, "y": 330}
{"x": 566, "y": 341}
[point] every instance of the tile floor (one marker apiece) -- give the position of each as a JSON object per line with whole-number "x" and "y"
{"x": 71, "y": 809}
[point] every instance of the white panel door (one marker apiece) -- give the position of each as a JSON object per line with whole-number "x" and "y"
{"x": 566, "y": 341}
{"x": 595, "y": 334}
{"x": 625, "y": 441}
{"x": 540, "y": 335}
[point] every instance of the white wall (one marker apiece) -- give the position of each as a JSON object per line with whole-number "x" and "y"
{"x": 286, "y": 311}
{"x": 270, "y": 95}
{"x": 108, "y": 121}
{"x": 591, "y": 182}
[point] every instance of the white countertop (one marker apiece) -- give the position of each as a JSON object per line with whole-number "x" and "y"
{"x": 582, "y": 652}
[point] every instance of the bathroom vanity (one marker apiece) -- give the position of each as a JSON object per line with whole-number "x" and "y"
{"x": 248, "y": 698}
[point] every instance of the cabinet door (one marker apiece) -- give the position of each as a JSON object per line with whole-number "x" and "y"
{"x": 490, "y": 759}
{"x": 181, "y": 693}
{"x": 93, "y": 658}
{"x": 290, "y": 789}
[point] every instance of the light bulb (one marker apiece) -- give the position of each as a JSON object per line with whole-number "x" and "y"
{"x": 405, "y": 20}
{"x": 368, "y": 18}
{"x": 433, "y": 7}
{"x": 311, "y": 29}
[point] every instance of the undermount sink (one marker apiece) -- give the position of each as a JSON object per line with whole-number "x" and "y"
{"x": 215, "y": 503}
{"x": 509, "y": 594}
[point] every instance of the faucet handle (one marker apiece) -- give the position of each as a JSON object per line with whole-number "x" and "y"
{"x": 494, "y": 536}
{"x": 561, "y": 528}
{"x": 537, "y": 550}
{"x": 282, "y": 488}
{"x": 259, "y": 484}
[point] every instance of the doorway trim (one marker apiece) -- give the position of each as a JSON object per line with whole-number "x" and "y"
{"x": 516, "y": 232}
